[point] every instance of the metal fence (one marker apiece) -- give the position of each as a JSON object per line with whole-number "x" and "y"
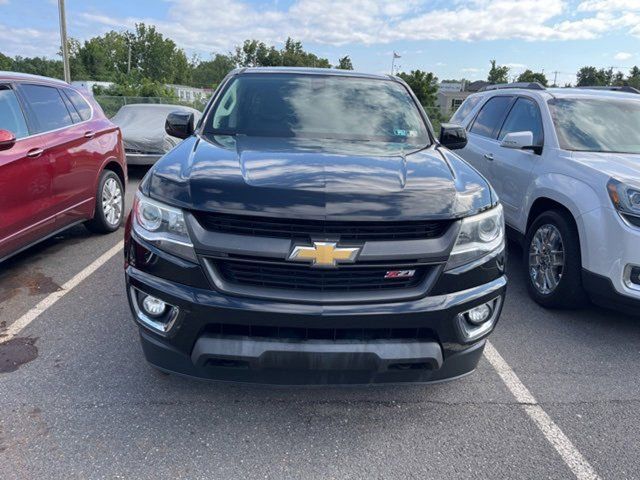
{"x": 111, "y": 104}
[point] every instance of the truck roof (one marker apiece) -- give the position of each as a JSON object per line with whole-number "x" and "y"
{"x": 314, "y": 71}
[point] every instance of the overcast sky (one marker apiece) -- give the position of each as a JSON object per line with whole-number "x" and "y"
{"x": 452, "y": 38}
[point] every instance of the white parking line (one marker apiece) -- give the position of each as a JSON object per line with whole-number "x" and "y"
{"x": 556, "y": 437}
{"x": 16, "y": 327}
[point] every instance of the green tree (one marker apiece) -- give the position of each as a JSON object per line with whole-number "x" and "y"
{"x": 593, "y": 77}
{"x": 634, "y": 77}
{"x": 107, "y": 56}
{"x": 135, "y": 85}
{"x": 253, "y": 53}
{"x": 144, "y": 50}
{"x": 530, "y": 76}
{"x": 294, "y": 55}
{"x": 424, "y": 85}
{"x": 345, "y": 63}
{"x": 498, "y": 74}
{"x": 5, "y": 62}
{"x": 158, "y": 58}
{"x": 209, "y": 73}
{"x": 618, "y": 79}
{"x": 38, "y": 66}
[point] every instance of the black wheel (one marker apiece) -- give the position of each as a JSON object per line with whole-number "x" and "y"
{"x": 553, "y": 262}
{"x": 109, "y": 204}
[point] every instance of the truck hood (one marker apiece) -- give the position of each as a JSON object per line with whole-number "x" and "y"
{"x": 316, "y": 179}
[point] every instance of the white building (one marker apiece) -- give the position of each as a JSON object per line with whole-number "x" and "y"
{"x": 190, "y": 94}
{"x": 89, "y": 84}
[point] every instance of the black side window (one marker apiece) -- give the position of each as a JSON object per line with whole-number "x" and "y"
{"x": 75, "y": 116}
{"x": 524, "y": 117}
{"x": 47, "y": 107}
{"x": 79, "y": 103}
{"x": 465, "y": 109}
{"x": 11, "y": 116}
{"x": 490, "y": 118}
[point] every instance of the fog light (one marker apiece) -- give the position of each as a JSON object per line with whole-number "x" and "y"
{"x": 635, "y": 275}
{"x": 479, "y": 321}
{"x": 479, "y": 314}
{"x": 153, "y": 306}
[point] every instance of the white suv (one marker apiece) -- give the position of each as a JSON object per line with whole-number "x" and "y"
{"x": 565, "y": 163}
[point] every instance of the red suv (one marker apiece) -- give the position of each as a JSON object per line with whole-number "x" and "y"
{"x": 61, "y": 162}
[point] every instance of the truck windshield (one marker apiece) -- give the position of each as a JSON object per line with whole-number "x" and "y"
{"x": 597, "y": 124}
{"x": 337, "y": 108}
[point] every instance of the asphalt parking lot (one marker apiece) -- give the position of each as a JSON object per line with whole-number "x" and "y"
{"x": 558, "y": 395}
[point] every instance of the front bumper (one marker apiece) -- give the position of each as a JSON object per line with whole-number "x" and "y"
{"x": 610, "y": 247}
{"x": 220, "y": 336}
{"x": 143, "y": 158}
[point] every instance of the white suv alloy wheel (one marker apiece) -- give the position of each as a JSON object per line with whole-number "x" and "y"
{"x": 546, "y": 259}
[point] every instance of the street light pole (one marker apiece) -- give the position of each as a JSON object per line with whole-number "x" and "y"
{"x": 63, "y": 41}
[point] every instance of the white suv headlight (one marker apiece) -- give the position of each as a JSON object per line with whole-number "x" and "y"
{"x": 626, "y": 200}
{"x": 163, "y": 226}
{"x": 479, "y": 236}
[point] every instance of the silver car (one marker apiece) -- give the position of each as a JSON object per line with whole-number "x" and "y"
{"x": 143, "y": 133}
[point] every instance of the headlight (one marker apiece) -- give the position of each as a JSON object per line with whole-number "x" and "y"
{"x": 162, "y": 226}
{"x": 479, "y": 236}
{"x": 626, "y": 200}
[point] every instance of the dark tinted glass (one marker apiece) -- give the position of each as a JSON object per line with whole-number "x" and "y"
{"x": 490, "y": 117}
{"x": 465, "y": 109}
{"x": 47, "y": 106}
{"x": 524, "y": 117}
{"x": 75, "y": 116}
{"x": 11, "y": 116}
{"x": 320, "y": 107}
{"x": 80, "y": 103}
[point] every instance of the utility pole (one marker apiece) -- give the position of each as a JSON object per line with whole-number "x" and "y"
{"x": 129, "y": 61}
{"x": 555, "y": 78}
{"x": 63, "y": 41}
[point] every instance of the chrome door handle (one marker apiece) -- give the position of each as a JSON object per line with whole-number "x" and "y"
{"x": 89, "y": 134}
{"x": 34, "y": 153}
{"x": 489, "y": 156}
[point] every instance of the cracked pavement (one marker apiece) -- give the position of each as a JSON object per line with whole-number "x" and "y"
{"x": 88, "y": 406}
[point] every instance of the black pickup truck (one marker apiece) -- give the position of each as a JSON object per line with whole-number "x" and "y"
{"x": 311, "y": 229}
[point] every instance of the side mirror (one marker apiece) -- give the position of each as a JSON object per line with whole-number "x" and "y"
{"x": 7, "y": 139}
{"x": 520, "y": 141}
{"x": 180, "y": 124}
{"x": 453, "y": 136}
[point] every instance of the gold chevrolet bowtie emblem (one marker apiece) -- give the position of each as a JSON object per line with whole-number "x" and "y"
{"x": 324, "y": 254}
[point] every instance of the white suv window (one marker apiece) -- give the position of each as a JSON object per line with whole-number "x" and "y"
{"x": 524, "y": 117}
{"x": 465, "y": 109}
